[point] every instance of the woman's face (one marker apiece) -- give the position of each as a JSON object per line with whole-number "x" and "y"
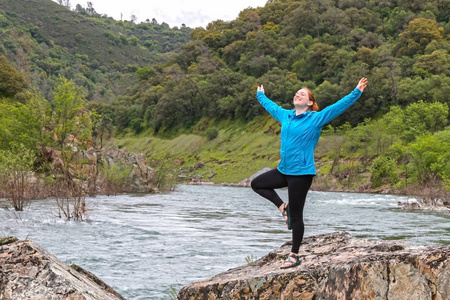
{"x": 301, "y": 98}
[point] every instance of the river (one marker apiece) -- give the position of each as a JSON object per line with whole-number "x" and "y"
{"x": 147, "y": 246}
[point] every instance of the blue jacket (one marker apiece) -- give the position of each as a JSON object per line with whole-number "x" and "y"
{"x": 300, "y": 134}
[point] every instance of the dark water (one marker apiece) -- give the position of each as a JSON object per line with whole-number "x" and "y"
{"x": 147, "y": 246}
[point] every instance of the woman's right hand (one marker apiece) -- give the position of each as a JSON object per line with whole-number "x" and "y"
{"x": 260, "y": 88}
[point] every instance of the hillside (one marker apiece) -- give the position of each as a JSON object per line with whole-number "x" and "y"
{"x": 402, "y": 47}
{"x": 51, "y": 23}
{"x": 395, "y": 138}
{"x": 44, "y": 40}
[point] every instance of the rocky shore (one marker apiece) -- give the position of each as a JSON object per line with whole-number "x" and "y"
{"x": 438, "y": 206}
{"x": 28, "y": 271}
{"x": 336, "y": 266}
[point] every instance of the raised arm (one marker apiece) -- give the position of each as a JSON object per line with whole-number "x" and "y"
{"x": 274, "y": 109}
{"x": 336, "y": 109}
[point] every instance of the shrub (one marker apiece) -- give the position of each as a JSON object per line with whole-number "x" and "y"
{"x": 211, "y": 134}
{"x": 15, "y": 166}
{"x": 115, "y": 177}
{"x": 383, "y": 171}
{"x": 136, "y": 125}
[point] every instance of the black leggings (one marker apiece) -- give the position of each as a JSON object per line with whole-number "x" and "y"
{"x": 298, "y": 187}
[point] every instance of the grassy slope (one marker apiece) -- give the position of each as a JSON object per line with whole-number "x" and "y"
{"x": 239, "y": 151}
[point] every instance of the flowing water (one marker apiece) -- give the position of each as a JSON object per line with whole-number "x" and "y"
{"x": 147, "y": 246}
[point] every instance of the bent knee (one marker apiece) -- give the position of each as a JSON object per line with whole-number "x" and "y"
{"x": 254, "y": 184}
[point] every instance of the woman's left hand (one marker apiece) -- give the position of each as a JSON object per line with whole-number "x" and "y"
{"x": 362, "y": 84}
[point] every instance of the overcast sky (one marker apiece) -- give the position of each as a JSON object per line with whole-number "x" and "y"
{"x": 192, "y": 13}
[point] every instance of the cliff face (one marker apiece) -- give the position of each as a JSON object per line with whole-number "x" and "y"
{"x": 27, "y": 271}
{"x": 336, "y": 266}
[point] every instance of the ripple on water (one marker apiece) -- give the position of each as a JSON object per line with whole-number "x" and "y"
{"x": 145, "y": 245}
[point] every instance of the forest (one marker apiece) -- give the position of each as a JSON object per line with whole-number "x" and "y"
{"x": 148, "y": 80}
{"x": 402, "y": 46}
{"x": 398, "y": 131}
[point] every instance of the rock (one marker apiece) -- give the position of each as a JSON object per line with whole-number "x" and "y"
{"x": 142, "y": 178}
{"x": 27, "y": 271}
{"x": 336, "y": 266}
{"x": 91, "y": 156}
{"x": 248, "y": 181}
{"x": 439, "y": 206}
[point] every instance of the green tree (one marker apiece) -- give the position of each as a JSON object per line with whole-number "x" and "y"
{"x": 430, "y": 89}
{"x": 70, "y": 117}
{"x": 143, "y": 73}
{"x": 26, "y": 123}
{"x": 137, "y": 125}
{"x": 394, "y": 120}
{"x": 317, "y": 58}
{"x": 429, "y": 158}
{"x": 326, "y": 94}
{"x": 382, "y": 171}
{"x": 369, "y": 139}
{"x": 11, "y": 81}
{"x": 102, "y": 123}
{"x": 72, "y": 125}
{"x": 437, "y": 62}
{"x": 417, "y": 119}
{"x": 422, "y": 118}
{"x": 419, "y": 34}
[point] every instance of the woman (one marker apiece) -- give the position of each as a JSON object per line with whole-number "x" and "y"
{"x": 300, "y": 131}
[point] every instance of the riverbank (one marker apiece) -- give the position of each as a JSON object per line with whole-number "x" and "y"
{"x": 413, "y": 203}
{"x": 97, "y": 172}
{"x": 242, "y": 149}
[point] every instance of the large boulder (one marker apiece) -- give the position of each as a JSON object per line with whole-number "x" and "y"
{"x": 142, "y": 178}
{"x": 336, "y": 266}
{"x": 28, "y": 271}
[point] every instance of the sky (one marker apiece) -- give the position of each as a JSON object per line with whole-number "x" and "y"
{"x": 192, "y": 13}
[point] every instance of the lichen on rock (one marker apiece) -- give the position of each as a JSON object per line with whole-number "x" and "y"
{"x": 336, "y": 266}
{"x": 28, "y": 271}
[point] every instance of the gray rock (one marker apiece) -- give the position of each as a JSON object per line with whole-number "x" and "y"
{"x": 336, "y": 266}
{"x": 28, "y": 271}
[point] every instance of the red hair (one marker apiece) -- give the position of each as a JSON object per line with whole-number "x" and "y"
{"x": 314, "y": 106}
